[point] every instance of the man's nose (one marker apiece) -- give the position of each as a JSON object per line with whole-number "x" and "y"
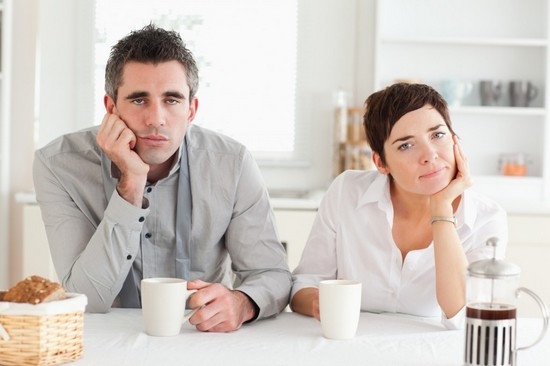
{"x": 155, "y": 115}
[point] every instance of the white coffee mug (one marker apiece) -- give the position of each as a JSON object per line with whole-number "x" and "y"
{"x": 163, "y": 305}
{"x": 340, "y": 307}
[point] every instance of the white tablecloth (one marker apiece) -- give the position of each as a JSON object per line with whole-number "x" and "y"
{"x": 117, "y": 338}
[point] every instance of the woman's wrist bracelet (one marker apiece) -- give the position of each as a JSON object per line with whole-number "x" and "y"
{"x": 444, "y": 218}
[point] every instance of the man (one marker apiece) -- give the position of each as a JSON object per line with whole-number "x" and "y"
{"x": 148, "y": 195}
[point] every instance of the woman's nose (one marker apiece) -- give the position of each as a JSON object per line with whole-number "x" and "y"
{"x": 429, "y": 154}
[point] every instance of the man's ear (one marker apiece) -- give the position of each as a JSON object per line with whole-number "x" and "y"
{"x": 109, "y": 103}
{"x": 380, "y": 166}
{"x": 193, "y": 106}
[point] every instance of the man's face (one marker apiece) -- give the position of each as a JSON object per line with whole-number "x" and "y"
{"x": 153, "y": 101}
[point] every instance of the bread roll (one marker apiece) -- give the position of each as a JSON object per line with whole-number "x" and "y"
{"x": 35, "y": 290}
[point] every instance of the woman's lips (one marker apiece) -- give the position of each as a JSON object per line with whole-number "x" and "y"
{"x": 432, "y": 173}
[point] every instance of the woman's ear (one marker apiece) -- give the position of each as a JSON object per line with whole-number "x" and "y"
{"x": 380, "y": 166}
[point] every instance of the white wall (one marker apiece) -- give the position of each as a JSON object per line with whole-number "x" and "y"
{"x": 21, "y": 96}
{"x": 5, "y": 147}
{"x": 66, "y": 67}
{"x": 329, "y": 48}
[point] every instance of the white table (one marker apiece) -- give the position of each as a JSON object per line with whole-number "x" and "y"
{"x": 117, "y": 338}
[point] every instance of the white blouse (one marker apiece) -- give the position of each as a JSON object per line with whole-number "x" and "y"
{"x": 351, "y": 238}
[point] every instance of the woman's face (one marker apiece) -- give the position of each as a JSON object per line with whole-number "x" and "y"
{"x": 419, "y": 153}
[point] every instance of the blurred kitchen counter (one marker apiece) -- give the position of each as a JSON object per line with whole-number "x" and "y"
{"x": 310, "y": 200}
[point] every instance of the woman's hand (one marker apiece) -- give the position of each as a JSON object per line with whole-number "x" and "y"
{"x": 441, "y": 202}
{"x": 315, "y": 308}
{"x": 306, "y": 302}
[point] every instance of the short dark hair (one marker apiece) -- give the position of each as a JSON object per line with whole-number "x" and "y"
{"x": 150, "y": 44}
{"x": 385, "y": 107}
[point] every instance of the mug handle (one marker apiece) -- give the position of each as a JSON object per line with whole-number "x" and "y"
{"x": 544, "y": 311}
{"x": 190, "y": 314}
{"x": 469, "y": 88}
{"x": 497, "y": 89}
{"x": 532, "y": 92}
{"x": 193, "y": 311}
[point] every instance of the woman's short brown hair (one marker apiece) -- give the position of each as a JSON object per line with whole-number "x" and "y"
{"x": 385, "y": 107}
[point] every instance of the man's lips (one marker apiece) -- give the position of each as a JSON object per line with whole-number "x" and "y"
{"x": 154, "y": 140}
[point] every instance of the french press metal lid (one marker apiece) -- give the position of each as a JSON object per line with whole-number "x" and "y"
{"x": 494, "y": 268}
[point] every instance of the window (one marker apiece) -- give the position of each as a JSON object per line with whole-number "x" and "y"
{"x": 246, "y": 53}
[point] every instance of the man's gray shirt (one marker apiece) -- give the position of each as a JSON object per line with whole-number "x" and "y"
{"x": 210, "y": 219}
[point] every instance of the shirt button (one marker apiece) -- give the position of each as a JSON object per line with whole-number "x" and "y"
{"x": 148, "y": 235}
{"x": 141, "y": 219}
{"x": 149, "y": 189}
{"x": 129, "y": 257}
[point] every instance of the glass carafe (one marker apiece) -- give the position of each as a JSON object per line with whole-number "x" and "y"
{"x": 491, "y": 306}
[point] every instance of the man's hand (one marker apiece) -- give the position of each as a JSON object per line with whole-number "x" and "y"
{"x": 118, "y": 141}
{"x": 222, "y": 310}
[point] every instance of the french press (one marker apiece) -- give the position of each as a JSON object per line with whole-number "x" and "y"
{"x": 492, "y": 293}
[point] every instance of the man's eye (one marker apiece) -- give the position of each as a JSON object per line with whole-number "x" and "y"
{"x": 172, "y": 101}
{"x": 138, "y": 101}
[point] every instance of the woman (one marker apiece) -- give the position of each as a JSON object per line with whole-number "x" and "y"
{"x": 408, "y": 230}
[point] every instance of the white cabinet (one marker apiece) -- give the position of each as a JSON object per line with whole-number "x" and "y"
{"x": 294, "y": 227}
{"x": 36, "y": 251}
{"x": 470, "y": 40}
{"x": 4, "y": 147}
{"x": 529, "y": 248}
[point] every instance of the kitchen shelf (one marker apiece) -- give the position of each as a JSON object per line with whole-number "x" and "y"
{"x": 469, "y": 41}
{"x": 459, "y": 41}
{"x": 510, "y": 111}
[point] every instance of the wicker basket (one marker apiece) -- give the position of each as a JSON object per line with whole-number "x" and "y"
{"x": 47, "y": 334}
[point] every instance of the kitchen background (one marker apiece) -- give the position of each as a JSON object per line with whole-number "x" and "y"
{"x": 341, "y": 52}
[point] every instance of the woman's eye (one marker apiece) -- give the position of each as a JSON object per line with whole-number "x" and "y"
{"x": 405, "y": 146}
{"x": 439, "y": 135}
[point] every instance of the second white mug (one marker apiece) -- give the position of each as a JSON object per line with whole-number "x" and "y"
{"x": 340, "y": 307}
